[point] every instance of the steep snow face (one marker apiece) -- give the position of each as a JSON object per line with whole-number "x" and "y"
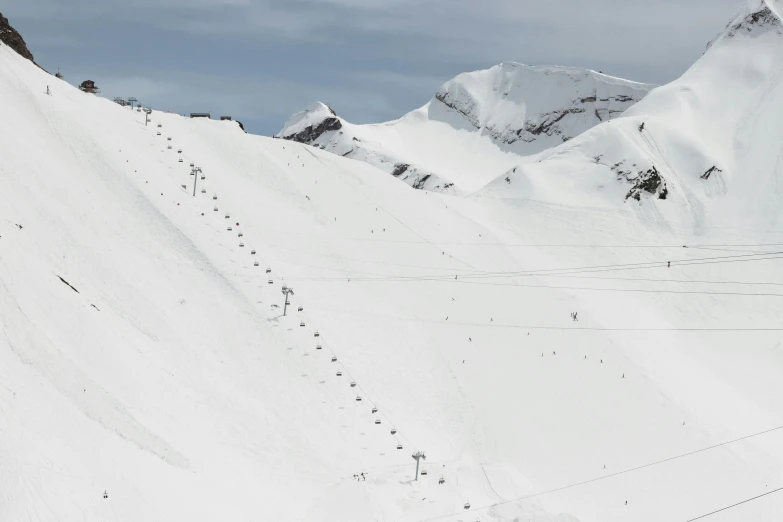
{"x": 708, "y": 144}
{"x": 477, "y": 124}
{"x": 528, "y": 109}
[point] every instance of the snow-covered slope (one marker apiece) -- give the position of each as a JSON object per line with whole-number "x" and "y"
{"x": 143, "y": 353}
{"x": 705, "y": 147}
{"x": 477, "y": 124}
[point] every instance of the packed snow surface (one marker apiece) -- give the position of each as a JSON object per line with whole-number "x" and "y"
{"x": 477, "y": 124}
{"x": 147, "y": 371}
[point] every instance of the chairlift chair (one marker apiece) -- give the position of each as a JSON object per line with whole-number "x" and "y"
{"x": 316, "y": 334}
{"x": 203, "y": 176}
{"x": 169, "y": 138}
{"x": 240, "y": 234}
{"x": 441, "y": 480}
{"x": 399, "y": 446}
{"x": 301, "y": 323}
{"x": 214, "y": 196}
{"x": 229, "y": 228}
{"x": 318, "y": 346}
{"x": 358, "y": 398}
{"x": 191, "y": 164}
{"x": 192, "y": 173}
{"x": 268, "y": 270}
{"x": 227, "y": 215}
{"x": 374, "y": 409}
{"x": 179, "y": 151}
{"x": 255, "y": 264}
{"x": 393, "y": 431}
{"x": 424, "y": 472}
{"x": 334, "y": 359}
{"x": 300, "y": 308}
{"x": 377, "y": 421}
{"x": 241, "y": 244}
{"x": 180, "y": 160}
{"x": 160, "y": 125}
{"x": 353, "y": 384}
{"x": 203, "y": 191}
{"x": 339, "y": 374}
{"x": 184, "y": 186}
{"x": 467, "y": 505}
{"x": 169, "y": 147}
{"x": 158, "y": 133}
{"x": 271, "y": 282}
{"x": 215, "y": 209}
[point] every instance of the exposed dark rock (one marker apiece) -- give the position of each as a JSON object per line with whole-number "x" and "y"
{"x": 313, "y": 132}
{"x": 467, "y": 112}
{"x": 14, "y": 40}
{"x": 69, "y": 284}
{"x": 419, "y": 184}
{"x": 550, "y": 119}
{"x": 709, "y": 172}
{"x": 650, "y": 182}
{"x": 763, "y": 18}
{"x": 399, "y": 169}
{"x": 589, "y": 99}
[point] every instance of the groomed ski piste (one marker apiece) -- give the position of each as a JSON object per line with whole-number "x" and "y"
{"x": 147, "y": 372}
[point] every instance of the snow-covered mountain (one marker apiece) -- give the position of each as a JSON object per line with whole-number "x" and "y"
{"x": 548, "y": 342}
{"x": 478, "y": 123}
{"x": 708, "y": 144}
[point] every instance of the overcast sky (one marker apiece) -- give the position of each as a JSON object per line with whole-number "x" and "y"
{"x": 371, "y": 60}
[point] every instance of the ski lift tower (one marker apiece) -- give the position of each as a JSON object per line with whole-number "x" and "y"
{"x": 286, "y": 292}
{"x": 195, "y": 171}
{"x": 419, "y": 455}
{"x": 147, "y": 113}
{"x": 132, "y": 100}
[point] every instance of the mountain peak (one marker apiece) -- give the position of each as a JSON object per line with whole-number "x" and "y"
{"x": 14, "y": 40}
{"x": 310, "y": 123}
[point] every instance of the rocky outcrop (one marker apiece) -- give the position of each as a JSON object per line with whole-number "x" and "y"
{"x": 312, "y": 132}
{"x": 763, "y": 18}
{"x": 14, "y": 40}
{"x": 709, "y": 172}
{"x": 650, "y": 182}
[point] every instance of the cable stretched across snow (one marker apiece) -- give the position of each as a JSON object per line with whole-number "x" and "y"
{"x": 617, "y": 473}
